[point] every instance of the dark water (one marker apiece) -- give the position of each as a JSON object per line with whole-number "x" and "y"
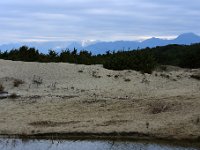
{"x": 16, "y": 144}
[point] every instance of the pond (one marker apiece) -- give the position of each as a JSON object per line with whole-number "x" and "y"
{"x": 18, "y": 144}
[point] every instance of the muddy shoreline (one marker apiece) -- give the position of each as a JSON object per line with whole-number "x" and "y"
{"x": 124, "y": 136}
{"x": 113, "y": 137}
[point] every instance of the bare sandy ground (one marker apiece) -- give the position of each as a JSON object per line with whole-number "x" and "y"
{"x": 69, "y": 98}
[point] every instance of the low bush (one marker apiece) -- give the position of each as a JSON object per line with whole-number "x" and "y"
{"x": 17, "y": 82}
{"x": 127, "y": 80}
{"x": 37, "y": 80}
{"x": 195, "y": 76}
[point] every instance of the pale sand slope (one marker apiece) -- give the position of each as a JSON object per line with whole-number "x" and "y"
{"x": 79, "y": 98}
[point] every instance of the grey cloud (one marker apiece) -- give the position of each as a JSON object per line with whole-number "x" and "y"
{"x": 96, "y": 19}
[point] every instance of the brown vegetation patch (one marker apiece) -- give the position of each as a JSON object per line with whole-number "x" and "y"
{"x": 161, "y": 107}
{"x": 17, "y": 82}
{"x": 68, "y": 96}
{"x": 196, "y": 120}
{"x": 37, "y": 80}
{"x": 95, "y": 74}
{"x": 35, "y": 97}
{"x": 127, "y": 80}
{"x": 51, "y": 123}
{"x": 116, "y": 76}
{"x": 14, "y": 96}
{"x": 80, "y": 71}
{"x": 113, "y": 122}
{"x": 93, "y": 101}
{"x": 165, "y": 75}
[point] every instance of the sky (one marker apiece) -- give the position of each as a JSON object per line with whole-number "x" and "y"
{"x": 105, "y": 20}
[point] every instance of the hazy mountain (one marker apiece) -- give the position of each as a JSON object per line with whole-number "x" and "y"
{"x": 183, "y": 39}
{"x": 153, "y": 42}
{"x": 102, "y": 47}
{"x": 97, "y": 47}
{"x": 187, "y": 38}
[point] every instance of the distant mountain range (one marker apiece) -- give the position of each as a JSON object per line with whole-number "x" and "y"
{"x": 98, "y": 47}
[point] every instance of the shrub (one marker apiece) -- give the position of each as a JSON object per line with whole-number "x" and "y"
{"x": 95, "y": 75}
{"x": 127, "y": 80}
{"x": 196, "y": 76}
{"x": 165, "y": 75}
{"x": 80, "y": 71}
{"x": 17, "y": 82}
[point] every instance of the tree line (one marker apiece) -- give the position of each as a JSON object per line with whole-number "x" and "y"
{"x": 144, "y": 60}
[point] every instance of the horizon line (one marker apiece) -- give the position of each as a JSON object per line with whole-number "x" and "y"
{"x": 63, "y": 39}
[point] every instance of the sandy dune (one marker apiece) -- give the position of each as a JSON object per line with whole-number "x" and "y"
{"x": 67, "y": 98}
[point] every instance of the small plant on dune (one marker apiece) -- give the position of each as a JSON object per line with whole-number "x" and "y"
{"x": 145, "y": 80}
{"x": 17, "y": 82}
{"x": 53, "y": 85}
{"x": 80, "y": 71}
{"x": 197, "y": 120}
{"x": 127, "y": 80}
{"x": 159, "y": 108}
{"x": 116, "y": 76}
{"x": 37, "y": 80}
{"x": 147, "y": 125}
{"x": 94, "y": 74}
{"x": 1, "y": 88}
{"x": 165, "y": 75}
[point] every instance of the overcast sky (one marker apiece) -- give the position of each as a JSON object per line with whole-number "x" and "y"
{"x": 107, "y": 20}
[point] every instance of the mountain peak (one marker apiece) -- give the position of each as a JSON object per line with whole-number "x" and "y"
{"x": 188, "y": 35}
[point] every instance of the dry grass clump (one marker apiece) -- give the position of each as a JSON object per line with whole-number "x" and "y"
{"x": 198, "y": 120}
{"x": 95, "y": 74}
{"x": 113, "y": 122}
{"x": 1, "y": 88}
{"x": 145, "y": 80}
{"x": 157, "y": 108}
{"x": 165, "y": 75}
{"x": 80, "y": 71}
{"x": 37, "y": 80}
{"x": 127, "y": 80}
{"x": 116, "y": 76}
{"x": 17, "y": 82}
{"x": 51, "y": 123}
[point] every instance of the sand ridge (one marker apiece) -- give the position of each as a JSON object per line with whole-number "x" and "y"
{"x": 67, "y": 98}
